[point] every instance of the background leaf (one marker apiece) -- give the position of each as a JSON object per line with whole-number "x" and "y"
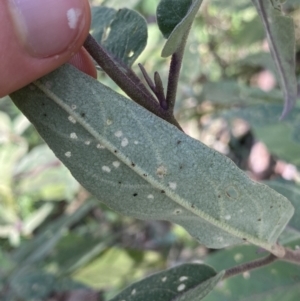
{"x": 123, "y": 33}
{"x": 281, "y": 37}
{"x": 188, "y": 282}
{"x": 281, "y": 138}
{"x": 275, "y": 282}
{"x": 176, "y": 28}
{"x": 144, "y": 167}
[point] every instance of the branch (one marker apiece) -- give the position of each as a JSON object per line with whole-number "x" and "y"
{"x": 292, "y": 256}
{"x": 174, "y": 73}
{"x": 130, "y": 84}
{"x": 248, "y": 266}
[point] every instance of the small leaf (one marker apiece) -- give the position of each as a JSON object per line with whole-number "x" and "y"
{"x": 275, "y": 282}
{"x": 189, "y": 282}
{"x": 142, "y": 166}
{"x": 123, "y": 33}
{"x": 281, "y": 37}
{"x": 175, "y": 19}
{"x": 170, "y": 13}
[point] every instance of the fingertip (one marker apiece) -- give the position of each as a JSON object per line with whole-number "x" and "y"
{"x": 25, "y": 55}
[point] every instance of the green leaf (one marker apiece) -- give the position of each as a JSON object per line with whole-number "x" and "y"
{"x": 175, "y": 19}
{"x": 31, "y": 283}
{"x": 170, "y": 13}
{"x": 189, "y": 282}
{"x": 38, "y": 248}
{"x": 263, "y": 119}
{"x": 142, "y": 166}
{"x": 281, "y": 37}
{"x": 276, "y": 282}
{"x": 123, "y": 33}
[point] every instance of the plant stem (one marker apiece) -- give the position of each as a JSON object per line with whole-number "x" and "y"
{"x": 292, "y": 256}
{"x": 174, "y": 73}
{"x": 129, "y": 83}
{"x": 248, "y": 266}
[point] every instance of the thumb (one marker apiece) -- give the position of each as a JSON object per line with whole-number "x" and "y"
{"x": 38, "y": 36}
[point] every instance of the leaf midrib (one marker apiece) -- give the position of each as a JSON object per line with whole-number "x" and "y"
{"x": 151, "y": 180}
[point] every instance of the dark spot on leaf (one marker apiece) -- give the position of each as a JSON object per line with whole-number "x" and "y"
{"x": 193, "y": 206}
{"x": 162, "y": 191}
{"x": 219, "y": 196}
{"x": 228, "y": 194}
{"x": 82, "y": 114}
{"x": 271, "y": 207}
{"x": 115, "y": 151}
{"x": 145, "y": 175}
{"x": 120, "y": 182}
{"x": 259, "y": 219}
{"x": 180, "y": 167}
{"x": 132, "y": 164}
{"x": 135, "y": 194}
{"x": 245, "y": 239}
{"x": 178, "y": 142}
{"x": 45, "y": 115}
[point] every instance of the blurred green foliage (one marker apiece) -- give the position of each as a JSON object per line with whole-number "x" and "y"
{"x": 55, "y": 238}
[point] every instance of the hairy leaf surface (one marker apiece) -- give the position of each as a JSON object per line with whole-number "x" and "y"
{"x": 123, "y": 33}
{"x": 281, "y": 37}
{"x": 189, "y": 282}
{"x": 142, "y": 166}
{"x": 175, "y": 19}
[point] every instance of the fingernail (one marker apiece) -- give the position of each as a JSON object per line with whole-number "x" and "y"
{"x": 48, "y": 27}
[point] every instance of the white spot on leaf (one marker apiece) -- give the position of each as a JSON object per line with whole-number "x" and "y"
{"x": 173, "y": 185}
{"x": 88, "y": 142}
{"x": 161, "y": 171}
{"x": 238, "y": 257}
{"x": 183, "y": 278}
{"x": 228, "y": 217}
{"x": 124, "y": 142}
{"x": 150, "y": 196}
{"x": 136, "y": 142}
{"x": 118, "y": 134}
{"x": 133, "y": 292}
{"x": 73, "y": 136}
{"x": 106, "y": 168}
{"x": 72, "y": 119}
{"x": 181, "y": 287}
{"x": 100, "y": 146}
{"x": 116, "y": 164}
{"x": 108, "y": 122}
{"x": 246, "y": 275}
{"x": 74, "y": 107}
{"x": 68, "y": 154}
{"x": 164, "y": 279}
{"x": 73, "y": 15}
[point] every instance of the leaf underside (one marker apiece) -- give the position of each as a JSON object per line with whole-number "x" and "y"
{"x": 189, "y": 282}
{"x": 144, "y": 167}
{"x": 281, "y": 38}
{"x": 175, "y": 19}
